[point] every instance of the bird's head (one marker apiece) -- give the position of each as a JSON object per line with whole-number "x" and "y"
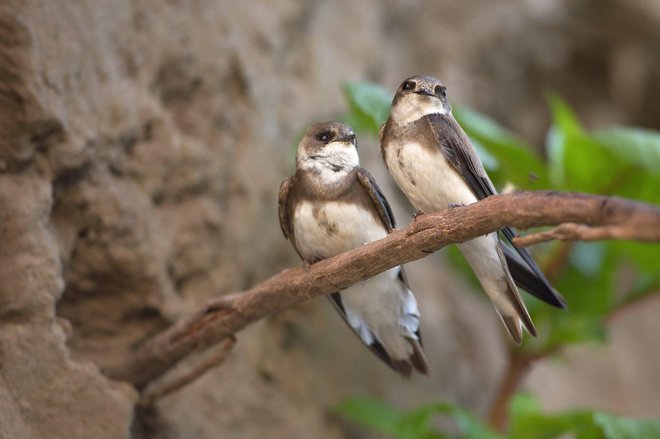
{"x": 328, "y": 149}
{"x": 417, "y": 97}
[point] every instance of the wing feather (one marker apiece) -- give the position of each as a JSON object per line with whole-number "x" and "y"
{"x": 286, "y": 223}
{"x": 460, "y": 153}
{"x": 378, "y": 200}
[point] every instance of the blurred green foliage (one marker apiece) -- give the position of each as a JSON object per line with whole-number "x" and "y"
{"x": 526, "y": 419}
{"x": 525, "y": 416}
{"x": 596, "y": 279}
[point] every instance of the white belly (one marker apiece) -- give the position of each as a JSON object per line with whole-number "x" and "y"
{"x": 325, "y": 229}
{"x": 431, "y": 184}
{"x": 383, "y": 307}
{"x": 426, "y": 178}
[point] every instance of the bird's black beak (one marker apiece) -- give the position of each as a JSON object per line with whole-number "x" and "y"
{"x": 425, "y": 92}
{"x": 347, "y": 138}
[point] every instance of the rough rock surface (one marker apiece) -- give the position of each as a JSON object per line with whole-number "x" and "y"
{"x": 141, "y": 146}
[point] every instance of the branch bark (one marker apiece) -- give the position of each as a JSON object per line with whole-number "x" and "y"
{"x": 578, "y": 232}
{"x": 151, "y": 394}
{"x": 224, "y": 316}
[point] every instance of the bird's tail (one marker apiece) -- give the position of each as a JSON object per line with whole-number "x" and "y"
{"x": 489, "y": 264}
{"x": 515, "y": 321}
{"x": 400, "y": 350}
{"x": 511, "y": 307}
{"x": 403, "y": 353}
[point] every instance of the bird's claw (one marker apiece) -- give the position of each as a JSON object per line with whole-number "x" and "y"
{"x": 417, "y": 214}
{"x": 455, "y": 205}
{"x": 307, "y": 265}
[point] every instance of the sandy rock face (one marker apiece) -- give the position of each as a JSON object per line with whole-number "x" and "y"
{"x": 43, "y": 392}
{"x": 140, "y": 152}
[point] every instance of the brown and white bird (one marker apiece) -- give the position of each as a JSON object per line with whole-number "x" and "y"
{"x": 435, "y": 165}
{"x": 332, "y": 205}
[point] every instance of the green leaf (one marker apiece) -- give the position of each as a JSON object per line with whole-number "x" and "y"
{"x": 470, "y": 426}
{"x": 526, "y": 419}
{"x": 636, "y": 146}
{"x": 529, "y": 422}
{"x": 490, "y": 162}
{"x": 589, "y": 284}
{"x": 623, "y": 161}
{"x": 589, "y": 167}
{"x": 626, "y": 428}
{"x": 373, "y": 414}
{"x": 563, "y": 115}
{"x": 555, "y": 147}
{"x": 518, "y": 163}
{"x": 579, "y": 162}
{"x": 369, "y": 104}
{"x": 566, "y": 127}
{"x": 644, "y": 256}
{"x": 574, "y": 329}
{"x": 637, "y": 184}
{"x": 414, "y": 424}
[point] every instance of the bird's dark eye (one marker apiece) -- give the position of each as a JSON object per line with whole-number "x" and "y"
{"x": 323, "y": 136}
{"x": 441, "y": 91}
{"x": 408, "y": 85}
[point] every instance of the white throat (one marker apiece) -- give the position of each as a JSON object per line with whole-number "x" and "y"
{"x": 330, "y": 164}
{"x": 413, "y": 107}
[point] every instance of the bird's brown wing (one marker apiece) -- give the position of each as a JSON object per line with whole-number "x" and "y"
{"x": 377, "y": 198}
{"x": 459, "y": 152}
{"x": 381, "y": 205}
{"x": 284, "y": 211}
{"x": 283, "y": 199}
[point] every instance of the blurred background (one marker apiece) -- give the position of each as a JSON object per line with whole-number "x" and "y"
{"x": 141, "y": 147}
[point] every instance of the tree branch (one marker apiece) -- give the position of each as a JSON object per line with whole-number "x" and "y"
{"x": 224, "y": 316}
{"x": 154, "y": 392}
{"x": 578, "y": 232}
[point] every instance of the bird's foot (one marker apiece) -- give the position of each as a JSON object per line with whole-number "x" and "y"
{"x": 417, "y": 214}
{"x": 455, "y": 205}
{"x": 307, "y": 265}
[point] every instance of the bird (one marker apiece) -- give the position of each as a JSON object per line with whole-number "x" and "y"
{"x": 433, "y": 162}
{"x": 331, "y": 205}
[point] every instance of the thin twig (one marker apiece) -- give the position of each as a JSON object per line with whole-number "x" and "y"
{"x": 158, "y": 390}
{"x": 223, "y": 317}
{"x": 577, "y": 232}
